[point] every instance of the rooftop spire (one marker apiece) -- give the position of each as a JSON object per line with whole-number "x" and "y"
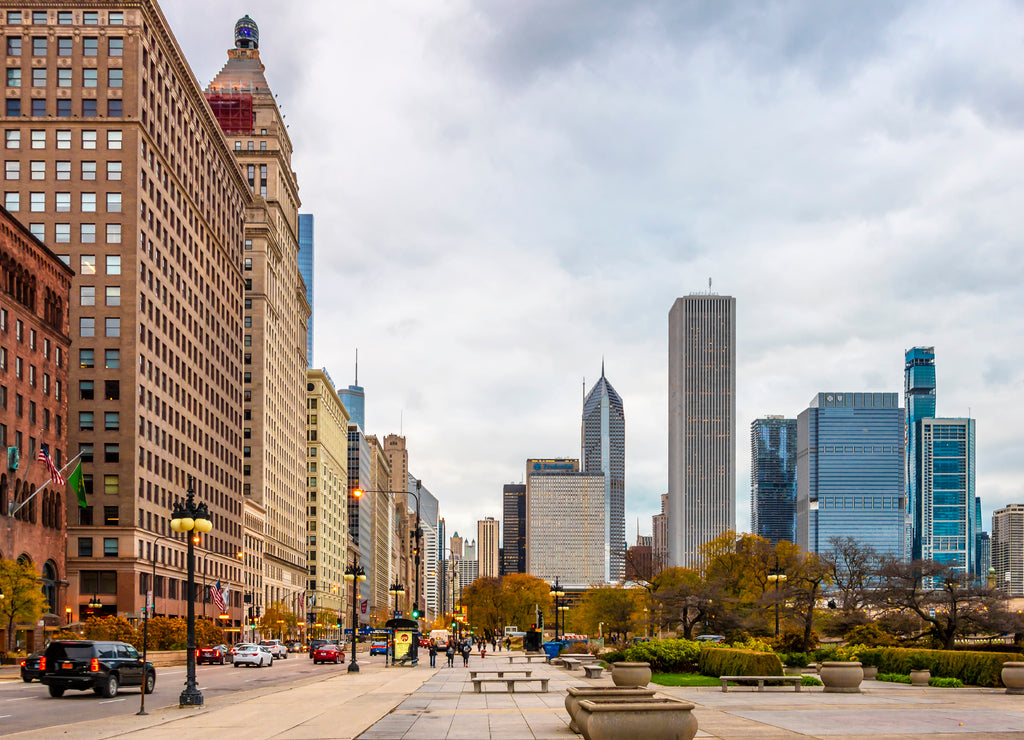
{"x": 247, "y": 33}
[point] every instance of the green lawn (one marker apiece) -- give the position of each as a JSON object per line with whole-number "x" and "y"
{"x": 684, "y": 679}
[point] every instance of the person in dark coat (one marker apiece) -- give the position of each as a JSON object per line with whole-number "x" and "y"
{"x": 433, "y": 654}
{"x": 450, "y": 654}
{"x": 467, "y": 650}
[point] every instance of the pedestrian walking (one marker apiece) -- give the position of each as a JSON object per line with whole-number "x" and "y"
{"x": 433, "y": 654}
{"x": 508, "y": 643}
{"x": 450, "y": 654}
{"x": 466, "y": 652}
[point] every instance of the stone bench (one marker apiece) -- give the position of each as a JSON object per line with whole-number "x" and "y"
{"x": 510, "y": 683}
{"x": 500, "y": 671}
{"x": 651, "y": 718}
{"x": 593, "y": 671}
{"x": 527, "y": 658}
{"x": 571, "y": 663}
{"x": 762, "y": 680}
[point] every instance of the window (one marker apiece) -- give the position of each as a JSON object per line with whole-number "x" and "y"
{"x": 111, "y": 421}
{"x": 116, "y": 19}
{"x": 13, "y": 107}
{"x": 85, "y": 421}
{"x": 112, "y": 326}
{"x": 113, "y": 233}
{"x": 64, "y": 46}
{"x": 110, "y": 484}
{"x": 12, "y": 169}
{"x": 64, "y": 139}
{"x": 38, "y": 139}
{"x": 88, "y": 170}
{"x": 248, "y": 263}
{"x": 12, "y": 201}
{"x": 114, "y": 140}
{"x": 84, "y": 546}
{"x": 88, "y": 264}
{"x": 87, "y": 295}
{"x": 38, "y": 107}
{"x": 38, "y": 170}
{"x": 39, "y": 17}
{"x": 62, "y": 233}
{"x": 39, "y": 77}
{"x": 110, "y": 547}
{"x": 113, "y": 170}
{"x": 91, "y": 18}
{"x": 13, "y": 77}
{"x": 113, "y": 264}
{"x": 115, "y": 47}
{"x": 37, "y": 202}
{"x": 112, "y": 390}
{"x": 86, "y": 390}
{"x": 39, "y": 46}
{"x": 86, "y": 452}
{"x": 113, "y": 202}
{"x": 90, "y": 77}
{"x": 63, "y": 202}
{"x": 14, "y": 17}
{"x": 247, "y": 340}
{"x": 87, "y": 326}
{"x": 86, "y": 358}
{"x": 12, "y": 139}
{"x": 38, "y": 231}
{"x": 115, "y": 78}
{"x": 113, "y": 295}
{"x": 90, "y": 46}
{"x": 88, "y": 139}
{"x": 248, "y": 322}
{"x": 89, "y": 200}
{"x": 64, "y": 18}
{"x": 88, "y": 108}
{"x": 111, "y": 453}
{"x": 14, "y": 46}
{"x": 63, "y": 170}
{"x": 112, "y": 358}
{"x": 88, "y": 234}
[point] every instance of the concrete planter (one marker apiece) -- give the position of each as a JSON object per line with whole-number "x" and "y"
{"x": 1013, "y": 677}
{"x": 652, "y": 719}
{"x": 631, "y": 674}
{"x": 575, "y": 694}
{"x": 870, "y": 671}
{"x": 841, "y": 677}
{"x": 920, "y": 678}
{"x": 793, "y": 671}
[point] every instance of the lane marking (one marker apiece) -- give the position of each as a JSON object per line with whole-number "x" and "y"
{"x": 4, "y": 716}
{"x": 20, "y": 698}
{"x": 111, "y": 701}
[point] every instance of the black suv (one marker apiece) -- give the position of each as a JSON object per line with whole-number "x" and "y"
{"x": 93, "y": 664}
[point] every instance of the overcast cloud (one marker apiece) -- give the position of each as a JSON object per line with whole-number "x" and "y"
{"x": 506, "y": 192}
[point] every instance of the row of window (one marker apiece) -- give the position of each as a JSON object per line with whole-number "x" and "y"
{"x": 37, "y": 108}
{"x": 859, "y": 502}
{"x": 86, "y": 233}
{"x": 61, "y": 202}
{"x": 37, "y": 170}
{"x": 19, "y": 373}
{"x": 87, "y": 358}
{"x": 37, "y": 137}
{"x": 64, "y": 18}
{"x": 111, "y": 421}
{"x": 112, "y": 295}
{"x": 19, "y": 335}
{"x": 109, "y": 547}
{"x": 87, "y": 326}
{"x": 19, "y": 406}
{"x": 19, "y": 439}
{"x": 65, "y": 77}
{"x": 65, "y": 46}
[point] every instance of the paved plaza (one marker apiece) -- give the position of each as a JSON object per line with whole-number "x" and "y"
{"x": 422, "y": 703}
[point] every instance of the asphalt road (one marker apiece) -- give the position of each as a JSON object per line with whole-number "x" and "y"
{"x": 29, "y": 706}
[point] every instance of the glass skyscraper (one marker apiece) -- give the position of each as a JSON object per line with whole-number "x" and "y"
{"x": 773, "y": 478}
{"x": 604, "y": 451}
{"x": 945, "y": 526}
{"x": 306, "y": 270}
{"x": 850, "y": 472}
{"x": 919, "y": 397}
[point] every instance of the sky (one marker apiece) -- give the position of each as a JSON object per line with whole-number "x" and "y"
{"x": 507, "y": 192}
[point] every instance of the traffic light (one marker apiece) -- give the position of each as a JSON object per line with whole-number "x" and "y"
{"x": 415, "y": 613}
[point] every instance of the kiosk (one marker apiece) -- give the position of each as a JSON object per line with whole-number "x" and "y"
{"x": 405, "y": 643}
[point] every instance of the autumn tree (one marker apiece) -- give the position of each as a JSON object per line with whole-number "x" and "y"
{"x": 278, "y": 619}
{"x": 484, "y": 602}
{"x": 112, "y": 628}
{"x": 810, "y": 574}
{"x": 521, "y": 595}
{"x": 616, "y": 607}
{"x": 681, "y": 599}
{"x": 23, "y": 599}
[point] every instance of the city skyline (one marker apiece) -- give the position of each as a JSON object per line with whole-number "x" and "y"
{"x": 847, "y": 211}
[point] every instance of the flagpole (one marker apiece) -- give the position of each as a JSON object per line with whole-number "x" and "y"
{"x": 14, "y": 511}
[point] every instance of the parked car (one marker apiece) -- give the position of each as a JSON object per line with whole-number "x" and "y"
{"x": 215, "y": 654}
{"x": 710, "y": 638}
{"x": 276, "y": 648}
{"x": 93, "y": 664}
{"x": 379, "y": 647}
{"x": 30, "y": 668}
{"x": 328, "y": 653}
{"x": 254, "y": 655}
{"x": 294, "y": 646}
{"x": 314, "y": 644}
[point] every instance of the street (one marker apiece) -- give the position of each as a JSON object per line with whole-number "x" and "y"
{"x": 29, "y": 706}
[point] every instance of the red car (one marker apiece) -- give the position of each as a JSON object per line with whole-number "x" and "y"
{"x": 216, "y": 654}
{"x": 328, "y": 654}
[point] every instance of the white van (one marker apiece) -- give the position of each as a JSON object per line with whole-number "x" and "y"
{"x": 440, "y": 637}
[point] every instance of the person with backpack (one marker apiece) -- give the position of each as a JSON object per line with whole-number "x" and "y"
{"x": 467, "y": 650}
{"x": 450, "y": 654}
{"x": 433, "y": 654}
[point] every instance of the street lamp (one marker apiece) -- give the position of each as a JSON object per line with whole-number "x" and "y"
{"x": 396, "y": 590}
{"x": 188, "y": 518}
{"x": 557, "y": 592}
{"x": 355, "y": 575}
{"x": 777, "y": 575}
{"x": 563, "y": 608}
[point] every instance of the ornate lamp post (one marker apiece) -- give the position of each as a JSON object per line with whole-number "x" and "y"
{"x": 193, "y": 520}
{"x": 777, "y": 575}
{"x": 355, "y": 575}
{"x": 396, "y": 590}
{"x": 563, "y": 609}
{"x": 557, "y": 592}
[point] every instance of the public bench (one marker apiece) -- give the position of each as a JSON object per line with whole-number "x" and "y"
{"x": 510, "y": 683}
{"x": 762, "y": 680}
{"x": 593, "y": 671}
{"x": 500, "y": 672}
{"x": 571, "y": 663}
{"x": 528, "y": 658}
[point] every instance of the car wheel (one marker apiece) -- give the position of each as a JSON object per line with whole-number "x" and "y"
{"x": 111, "y": 686}
{"x": 56, "y": 691}
{"x": 26, "y": 679}
{"x": 150, "y": 682}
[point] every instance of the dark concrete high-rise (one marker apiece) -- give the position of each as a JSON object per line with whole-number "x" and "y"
{"x": 701, "y": 424}
{"x": 773, "y": 478}
{"x": 604, "y": 452}
{"x": 513, "y": 526}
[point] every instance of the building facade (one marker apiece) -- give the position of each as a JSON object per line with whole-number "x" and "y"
{"x": 1008, "y": 549}
{"x": 565, "y": 523}
{"x": 113, "y": 158}
{"x": 701, "y": 424}
{"x": 34, "y": 357}
{"x": 513, "y": 555}
{"x": 604, "y": 452}
{"x": 382, "y": 510}
{"x": 487, "y": 533}
{"x": 773, "y": 478}
{"x": 306, "y": 254}
{"x": 919, "y": 395}
{"x": 360, "y": 507}
{"x": 659, "y": 536}
{"x": 945, "y": 529}
{"x": 850, "y": 472}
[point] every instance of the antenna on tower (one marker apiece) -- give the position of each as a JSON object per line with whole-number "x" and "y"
{"x": 357, "y": 366}
{"x": 709, "y": 285}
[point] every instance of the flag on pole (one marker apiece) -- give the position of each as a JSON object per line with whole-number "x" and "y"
{"x": 77, "y": 484}
{"x": 218, "y": 597}
{"x": 44, "y": 456}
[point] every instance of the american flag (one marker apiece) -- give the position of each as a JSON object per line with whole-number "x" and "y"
{"x": 44, "y": 456}
{"x": 218, "y": 597}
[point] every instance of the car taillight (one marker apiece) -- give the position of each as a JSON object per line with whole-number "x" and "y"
{"x": 216, "y": 653}
{"x": 22, "y": 664}
{"x": 94, "y": 665}
{"x": 42, "y": 663}
{"x": 198, "y": 651}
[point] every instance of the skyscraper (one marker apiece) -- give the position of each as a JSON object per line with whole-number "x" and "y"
{"x": 850, "y": 472}
{"x": 513, "y": 528}
{"x": 919, "y": 391}
{"x": 701, "y": 423}
{"x": 275, "y": 316}
{"x": 1008, "y": 549}
{"x": 945, "y": 526}
{"x": 773, "y": 478}
{"x": 487, "y": 533}
{"x": 659, "y": 536}
{"x": 355, "y": 400}
{"x": 604, "y": 452}
{"x": 306, "y": 253}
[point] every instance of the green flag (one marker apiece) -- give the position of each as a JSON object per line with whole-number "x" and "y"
{"x": 77, "y": 484}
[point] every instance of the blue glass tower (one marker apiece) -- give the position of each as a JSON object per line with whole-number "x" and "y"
{"x": 773, "y": 478}
{"x": 919, "y": 397}
{"x": 604, "y": 451}
{"x": 355, "y": 400}
{"x": 850, "y": 472}
{"x": 306, "y": 270}
{"x": 946, "y": 523}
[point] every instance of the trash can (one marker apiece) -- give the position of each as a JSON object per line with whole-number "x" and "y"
{"x": 553, "y": 648}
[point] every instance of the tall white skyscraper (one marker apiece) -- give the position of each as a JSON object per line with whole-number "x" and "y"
{"x": 487, "y": 534}
{"x": 701, "y": 423}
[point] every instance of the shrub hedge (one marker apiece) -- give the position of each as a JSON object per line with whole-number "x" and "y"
{"x": 668, "y": 656}
{"x": 716, "y": 661}
{"x": 975, "y": 668}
